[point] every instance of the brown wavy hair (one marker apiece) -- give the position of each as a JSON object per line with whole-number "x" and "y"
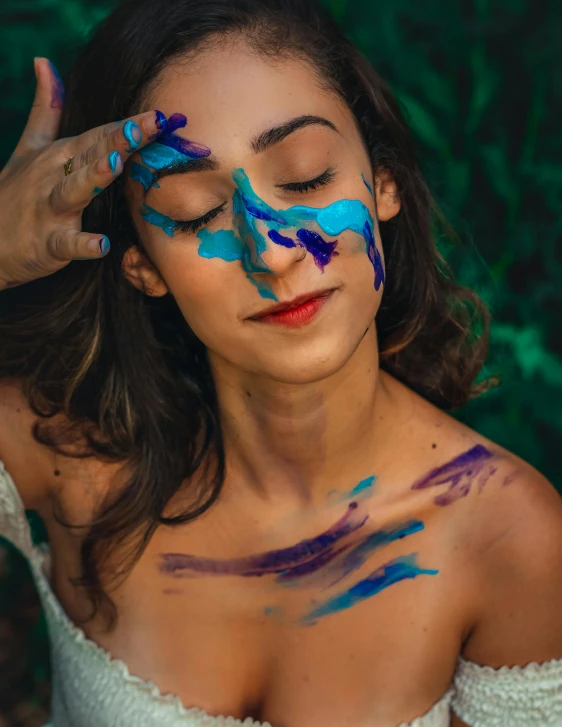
{"x": 129, "y": 379}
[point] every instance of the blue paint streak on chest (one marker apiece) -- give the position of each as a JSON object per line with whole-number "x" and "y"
{"x": 158, "y": 219}
{"x": 397, "y": 570}
{"x": 361, "y": 487}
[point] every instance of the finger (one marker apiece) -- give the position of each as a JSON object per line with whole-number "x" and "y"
{"x": 44, "y": 118}
{"x": 66, "y": 244}
{"x": 126, "y": 137}
{"x": 77, "y": 190}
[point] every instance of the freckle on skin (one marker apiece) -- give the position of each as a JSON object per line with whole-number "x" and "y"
{"x": 57, "y": 473}
{"x": 434, "y": 446}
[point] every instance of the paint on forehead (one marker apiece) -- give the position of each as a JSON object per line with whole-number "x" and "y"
{"x": 158, "y": 219}
{"x": 367, "y": 184}
{"x": 460, "y": 473}
{"x": 57, "y": 88}
{"x": 166, "y": 151}
{"x": 394, "y": 571}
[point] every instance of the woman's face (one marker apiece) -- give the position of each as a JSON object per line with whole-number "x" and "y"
{"x": 227, "y": 231}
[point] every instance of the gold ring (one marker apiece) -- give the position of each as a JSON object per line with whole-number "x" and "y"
{"x": 68, "y": 166}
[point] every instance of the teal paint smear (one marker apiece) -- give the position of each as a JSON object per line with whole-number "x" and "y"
{"x": 394, "y": 571}
{"x": 130, "y": 131}
{"x": 158, "y": 219}
{"x": 158, "y": 156}
{"x": 97, "y": 190}
{"x": 142, "y": 174}
{"x": 362, "y": 487}
{"x": 248, "y": 208}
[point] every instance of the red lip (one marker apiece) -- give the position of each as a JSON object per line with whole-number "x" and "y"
{"x": 295, "y": 303}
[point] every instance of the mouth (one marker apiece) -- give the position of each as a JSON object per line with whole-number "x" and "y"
{"x": 297, "y": 312}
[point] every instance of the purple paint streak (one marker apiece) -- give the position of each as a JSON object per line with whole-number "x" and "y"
{"x": 281, "y": 239}
{"x": 167, "y": 137}
{"x": 180, "y": 565}
{"x": 474, "y": 465}
{"x": 374, "y": 255}
{"x": 321, "y": 250}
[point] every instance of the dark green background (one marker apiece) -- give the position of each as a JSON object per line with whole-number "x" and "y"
{"x": 481, "y": 83}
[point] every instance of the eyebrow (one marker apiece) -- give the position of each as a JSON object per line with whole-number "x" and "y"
{"x": 258, "y": 144}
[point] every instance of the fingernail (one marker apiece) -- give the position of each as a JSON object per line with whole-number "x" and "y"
{"x": 99, "y": 244}
{"x": 133, "y": 134}
{"x": 155, "y": 123}
{"x": 115, "y": 161}
{"x": 57, "y": 90}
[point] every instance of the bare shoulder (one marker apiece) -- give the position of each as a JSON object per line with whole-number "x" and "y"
{"x": 504, "y": 518}
{"x": 28, "y": 462}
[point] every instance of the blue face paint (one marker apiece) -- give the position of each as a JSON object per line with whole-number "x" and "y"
{"x": 333, "y": 220}
{"x": 57, "y": 91}
{"x": 133, "y": 134}
{"x": 168, "y": 150}
{"x": 142, "y": 174}
{"x": 158, "y": 219}
{"x": 367, "y": 185}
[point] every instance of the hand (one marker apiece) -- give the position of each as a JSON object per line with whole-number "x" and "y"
{"x": 40, "y": 207}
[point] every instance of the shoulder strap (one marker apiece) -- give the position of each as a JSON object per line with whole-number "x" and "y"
{"x": 13, "y": 522}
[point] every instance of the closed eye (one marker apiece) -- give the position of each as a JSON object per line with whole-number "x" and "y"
{"x": 310, "y": 184}
{"x": 194, "y": 225}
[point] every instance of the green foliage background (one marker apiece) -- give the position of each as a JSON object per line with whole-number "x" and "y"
{"x": 481, "y": 83}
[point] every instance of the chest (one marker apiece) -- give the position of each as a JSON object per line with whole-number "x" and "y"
{"x": 352, "y": 635}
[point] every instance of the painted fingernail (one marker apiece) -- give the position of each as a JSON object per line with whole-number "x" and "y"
{"x": 103, "y": 243}
{"x": 114, "y": 160}
{"x": 57, "y": 90}
{"x": 133, "y": 134}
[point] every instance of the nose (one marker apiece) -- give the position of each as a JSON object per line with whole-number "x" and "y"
{"x": 270, "y": 248}
{"x": 275, "y": 251}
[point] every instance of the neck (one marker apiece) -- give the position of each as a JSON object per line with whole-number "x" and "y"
{"x": 298, "y": 442}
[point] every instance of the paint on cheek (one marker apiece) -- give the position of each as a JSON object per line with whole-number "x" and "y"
{"x": 460, "y": 473}
{"x": 57, "y": 88}
{"x": 321, "y": 250}
{"x": 158, "y": 219}
{"x": 367, "y": 184}
{"x": 226, "y": 245}
{"x": 396, "y": 570}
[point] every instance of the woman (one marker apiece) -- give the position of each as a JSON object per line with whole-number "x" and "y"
{"x": 233, "y": 423}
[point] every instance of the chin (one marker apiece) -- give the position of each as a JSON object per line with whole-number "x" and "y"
{"x": 301, "y": 362}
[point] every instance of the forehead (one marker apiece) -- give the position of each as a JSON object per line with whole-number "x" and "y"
{"x": 229, "y": 94}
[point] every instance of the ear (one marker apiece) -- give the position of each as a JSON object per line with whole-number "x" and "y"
{"x": 139, "y": 271}
{"x": 386, "y": 195}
